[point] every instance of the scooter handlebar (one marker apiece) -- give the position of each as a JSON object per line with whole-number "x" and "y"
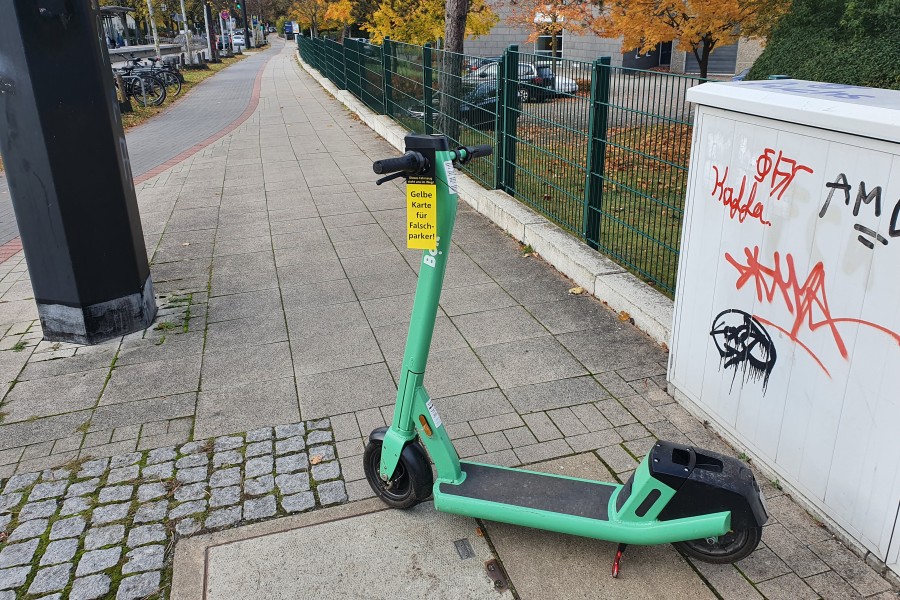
{"x": 480, "y": 150}
{"x": 411, "y": 162}
{"x": 467, "y": 153}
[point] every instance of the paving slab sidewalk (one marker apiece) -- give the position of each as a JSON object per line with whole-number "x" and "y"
{"x": 285, "y": 290}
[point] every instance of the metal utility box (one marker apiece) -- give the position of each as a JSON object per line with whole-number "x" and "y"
{"x": 787, "y": 308}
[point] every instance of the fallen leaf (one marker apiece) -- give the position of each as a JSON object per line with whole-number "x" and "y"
{"x": 576, "y": 290}
{"x": 624, "y": 316}
{"x": 315, "y": 459}
{"x": 479, "y": 532}
{"x": 186, "y": 244}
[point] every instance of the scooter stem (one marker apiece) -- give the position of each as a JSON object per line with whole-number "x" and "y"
{"x": 412, "y": 400}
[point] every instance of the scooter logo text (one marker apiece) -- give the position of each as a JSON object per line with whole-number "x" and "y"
{"x": 430, "y": 258}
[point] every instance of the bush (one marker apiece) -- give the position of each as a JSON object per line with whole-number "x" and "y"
{"x": 837, "y": 41}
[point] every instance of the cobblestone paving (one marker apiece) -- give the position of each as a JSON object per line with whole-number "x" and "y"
{"x": 106, "y": 528}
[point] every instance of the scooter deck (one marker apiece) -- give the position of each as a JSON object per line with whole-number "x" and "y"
{"x": 538, "y": 491}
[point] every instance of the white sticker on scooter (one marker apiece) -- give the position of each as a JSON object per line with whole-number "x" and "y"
{"x": 451, "y": 176}
{"x": 435, "y": 417}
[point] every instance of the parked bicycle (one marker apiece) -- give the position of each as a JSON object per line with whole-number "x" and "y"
{"x": 146, "y": 89}
{"x": 169, "y": 74}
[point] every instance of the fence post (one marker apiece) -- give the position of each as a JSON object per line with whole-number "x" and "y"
{"x": 427, "y": 92}
{"x": 357, "y": 70}
{"x": 353, "y": 45}
{"x": 316, "y": 47}
{"x": 386, "y": 53}
{"x": 598, "y": 126}
{"x": 344, "y": 65}
{"x": 507, "y": 118}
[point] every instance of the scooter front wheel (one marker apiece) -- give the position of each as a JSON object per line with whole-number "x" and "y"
{"x": 728, "y": 548}
{"x": 412, "y": 478}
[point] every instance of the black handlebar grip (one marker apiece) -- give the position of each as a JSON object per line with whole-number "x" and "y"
{"x": 411, "y": 162}
{"x": 480, "y": 150}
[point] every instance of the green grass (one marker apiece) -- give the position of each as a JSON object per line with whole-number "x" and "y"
{"x": 643, "y": 197}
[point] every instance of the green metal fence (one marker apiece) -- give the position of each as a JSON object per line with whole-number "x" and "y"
{"x": 600, "y": 150}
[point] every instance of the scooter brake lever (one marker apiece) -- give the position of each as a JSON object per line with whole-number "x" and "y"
{"x": 390, "y": 177}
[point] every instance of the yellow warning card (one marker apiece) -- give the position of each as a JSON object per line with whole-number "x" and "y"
{"x": 421, "y": 216}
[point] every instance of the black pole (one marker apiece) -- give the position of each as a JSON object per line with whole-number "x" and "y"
{"x": 69, "y": 174}
{"x": 246, "y": 28}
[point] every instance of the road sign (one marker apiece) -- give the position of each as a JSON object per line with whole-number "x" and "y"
{"x": 225, "y": 15}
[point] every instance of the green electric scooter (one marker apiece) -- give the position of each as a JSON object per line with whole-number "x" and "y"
{"x": 709, "y": 505}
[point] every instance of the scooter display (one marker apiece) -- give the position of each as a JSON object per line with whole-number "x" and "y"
{"x": 706, "y": 504}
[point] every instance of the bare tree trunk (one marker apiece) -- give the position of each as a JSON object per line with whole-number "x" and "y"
{"x": 211, "y": 33}
{"x": 451, "y": 68}
{"x": 703, "y": 56}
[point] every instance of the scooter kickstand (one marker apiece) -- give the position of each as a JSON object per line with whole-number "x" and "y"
{"x": 619, "y": 552}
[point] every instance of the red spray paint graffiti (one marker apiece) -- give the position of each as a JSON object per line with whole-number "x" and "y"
{"x": 807, "y": 302}
{"x": 782, "y": 170}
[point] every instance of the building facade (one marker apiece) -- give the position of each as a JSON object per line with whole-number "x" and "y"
{"x": 726, "y": 60}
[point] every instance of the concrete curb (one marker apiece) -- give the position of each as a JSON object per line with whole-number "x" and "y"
{"x": 650, "y": 310}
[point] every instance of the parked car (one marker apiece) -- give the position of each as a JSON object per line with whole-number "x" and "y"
{"x": 537, "y": 82}
{"x": 477, "y": 107}
{"x": 238, "y": 39}
{"x": 473, "y": 64}
{"x": 564, "y": 86}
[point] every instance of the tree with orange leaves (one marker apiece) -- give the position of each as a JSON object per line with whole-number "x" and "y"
{"x": 340, "y": 12}
{"x": 700, "y": 26}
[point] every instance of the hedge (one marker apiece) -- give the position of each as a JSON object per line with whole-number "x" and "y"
{"x": 854, "y": 42}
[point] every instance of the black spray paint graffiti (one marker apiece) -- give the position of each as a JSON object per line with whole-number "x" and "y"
{"x": 743, "y": 343}
{"x": 863, "y": 196}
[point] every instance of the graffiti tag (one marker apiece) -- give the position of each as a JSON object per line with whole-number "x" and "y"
{"x": 863, "y": 197}
{"x": 827, "y": 90}
{"x": 743, "y": 344}
{"x": 782, "y": 169}
{"x": 807, "y": 301}
{"x": 773, "y": 170}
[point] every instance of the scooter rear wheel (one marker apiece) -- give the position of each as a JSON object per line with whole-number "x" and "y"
{"x": 412, "y": 479}
{"x": 724, "y": 549}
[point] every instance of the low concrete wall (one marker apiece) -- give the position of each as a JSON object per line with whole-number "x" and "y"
{"x": 650, "y": 310}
